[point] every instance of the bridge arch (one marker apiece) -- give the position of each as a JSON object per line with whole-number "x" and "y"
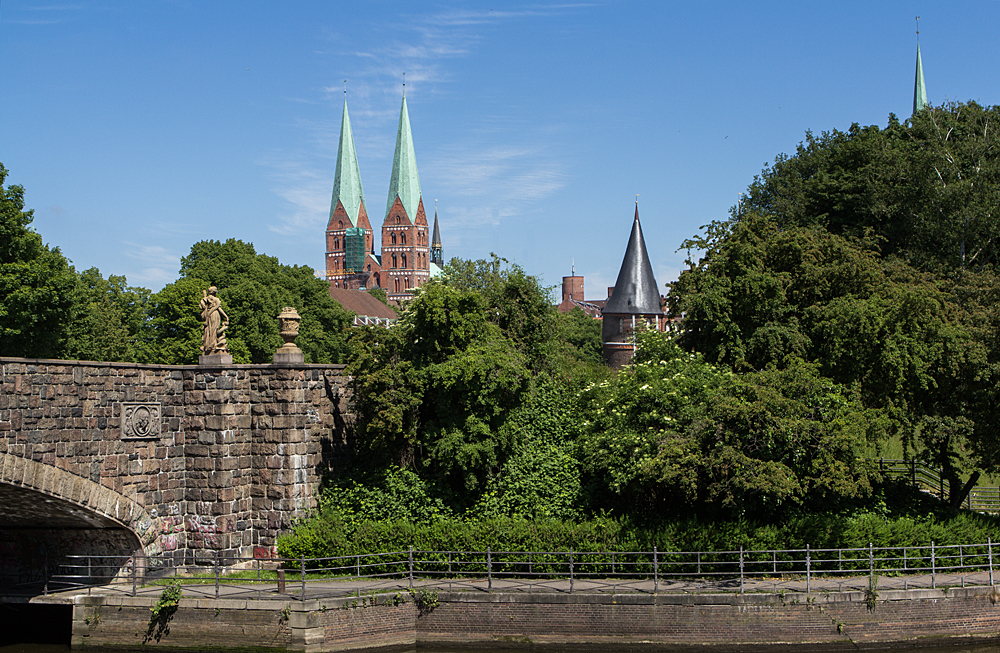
{"x": 112, "y": 508}
{"x": 48, "y": 514}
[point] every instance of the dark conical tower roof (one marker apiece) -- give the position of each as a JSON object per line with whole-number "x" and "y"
{"x": 635, "y": 291}
{"x": 436, "y": 238}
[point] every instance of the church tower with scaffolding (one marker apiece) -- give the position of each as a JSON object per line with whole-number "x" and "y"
{"x": 348, "y": 231}
{"x": 407, "y": 256}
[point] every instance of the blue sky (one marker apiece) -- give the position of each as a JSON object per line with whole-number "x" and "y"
{"x": 141, "y": 127}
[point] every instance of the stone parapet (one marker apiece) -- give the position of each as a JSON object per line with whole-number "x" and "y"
{"x": 218, "y": 460}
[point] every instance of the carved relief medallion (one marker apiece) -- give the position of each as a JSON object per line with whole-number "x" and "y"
{"x": 140, "y": 420}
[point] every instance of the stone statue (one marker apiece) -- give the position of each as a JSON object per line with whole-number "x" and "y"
{"x": 213, "y": 338}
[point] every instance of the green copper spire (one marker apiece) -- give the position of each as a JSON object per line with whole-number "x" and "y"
{"x": 347, "y": 181}
{"x": 919, "y": 90}
{"x": 405, "y": 183}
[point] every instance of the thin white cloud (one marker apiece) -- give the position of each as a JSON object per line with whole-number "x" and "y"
{"x": 485, "y": 185}
{"x": 158, "y": 265}
{"x": 488, "y": 185}
{"x": 307, "y": 196}
{"x": 19, "y": 19}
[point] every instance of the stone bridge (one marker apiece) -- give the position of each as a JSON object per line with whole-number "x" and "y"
{"x": 185, "y": 461}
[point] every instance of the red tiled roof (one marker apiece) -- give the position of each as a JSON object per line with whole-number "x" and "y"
{"x": 360, "y": 302}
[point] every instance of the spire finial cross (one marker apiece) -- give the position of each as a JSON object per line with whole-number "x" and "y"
{"x": 404, "y": 84}
{"x": 918, "y": 28}
{"x": 637, "y": 199}
{"x": 345, "y": 89}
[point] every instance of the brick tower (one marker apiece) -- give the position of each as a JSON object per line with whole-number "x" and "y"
{"x": 405, "y": 237}
{"x": 634, "y": 299}
{"x": 349, "y": 260}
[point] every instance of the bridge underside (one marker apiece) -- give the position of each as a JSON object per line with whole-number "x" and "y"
{"x": 39, "y": 531}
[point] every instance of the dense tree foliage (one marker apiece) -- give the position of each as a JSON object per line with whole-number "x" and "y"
{"x": 36, "y": 283}
{"x": 871, "y": 254}
{"x": 109, "y": 320}
{"x": 253, "y": 288}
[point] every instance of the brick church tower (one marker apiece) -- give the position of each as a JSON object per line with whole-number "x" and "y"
{"x": 349, "y": 247}
{"x": 405, "y": 237}
{"x": 407, "y": 260}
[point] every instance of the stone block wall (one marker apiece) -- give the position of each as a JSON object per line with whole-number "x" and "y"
{"x": 215, "y": 460}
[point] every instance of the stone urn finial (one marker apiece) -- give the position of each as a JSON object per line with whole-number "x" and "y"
{"x": 288, "y": 328}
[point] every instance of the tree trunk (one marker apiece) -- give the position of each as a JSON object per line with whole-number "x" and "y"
{"x": 958, "y": 494}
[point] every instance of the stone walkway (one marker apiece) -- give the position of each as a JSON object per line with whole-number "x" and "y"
{"x": 248, "y": 589}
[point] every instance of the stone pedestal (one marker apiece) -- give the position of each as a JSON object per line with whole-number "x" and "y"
{"x": 215, "y": 360}
{"x": 289, "y": 354}
{"x": 288, "y": 328}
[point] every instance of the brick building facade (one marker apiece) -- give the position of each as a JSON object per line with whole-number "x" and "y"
{"x": 405, "y": 260}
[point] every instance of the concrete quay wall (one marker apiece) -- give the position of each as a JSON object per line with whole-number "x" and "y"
{"x": 719, "y": 622}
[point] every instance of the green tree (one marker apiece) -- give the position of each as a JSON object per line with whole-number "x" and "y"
{"x": 869, "y": 253}
{"x": 36, "y": 283}
{"x": 253, "y": 289}
{"x": 110, "y": 321}
{"x": 672, "y": 430}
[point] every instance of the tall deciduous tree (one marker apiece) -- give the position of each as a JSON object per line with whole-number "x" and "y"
{"x": 36, "y": 283}
{"x": 870, "y": 253}
{"x": 253, "y": 288}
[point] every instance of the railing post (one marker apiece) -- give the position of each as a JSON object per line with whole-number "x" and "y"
{"x": 933, "y": 568}
{"x": 489, "y": 568}
{"x": 741, "y": 569}
{"x": 449, "y": 563}
{"x": 871, "y": 563}
{"x": 357, "y": 566}
{"x": 135, "y": 562}
{"x": 571, "y": 571}
{"x": 302, "y": 565}
{"x": 699, "y": 563}
{"x": 216, "y": 574}
{"x": 409, "y": 563}
{"x": 913, "y": 471}
{"x": 808, "y": 570}
{"x": 989, "y": 553}
{"x": 656, "y": 571}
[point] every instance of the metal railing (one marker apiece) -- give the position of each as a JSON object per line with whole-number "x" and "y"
{"x": 931, "y": 479}
{"x": 773, "y": 570}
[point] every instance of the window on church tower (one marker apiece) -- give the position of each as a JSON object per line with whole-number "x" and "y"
{"x": 393, "y": 260}
{"x": 336, "y": 243}
{"x": 404, "y": 261}
{"x": 402, "y": 238}
{"x": 392, "y": 238}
